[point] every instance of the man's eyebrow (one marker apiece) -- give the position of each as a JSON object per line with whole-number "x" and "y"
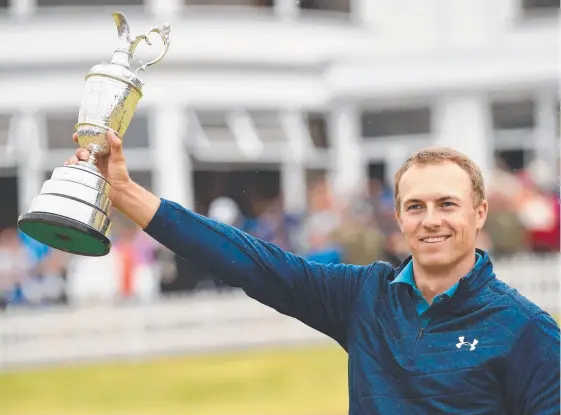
{"x": 440, "y": 199}
{"x": 412, "y": 201}
{"x": 447, "y": 197}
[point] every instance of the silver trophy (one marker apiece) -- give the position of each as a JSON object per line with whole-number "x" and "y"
{"x": 72, "y": 211}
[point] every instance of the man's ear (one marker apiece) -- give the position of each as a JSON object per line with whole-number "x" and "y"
{"x": 398, "y": 219}
{"x": 481, "y": 214}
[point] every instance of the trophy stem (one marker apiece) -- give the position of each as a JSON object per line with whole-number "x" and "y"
{"x": 94, "y": 150}
{"x": 91, "y": 164}
{"x": 93, "y": 158}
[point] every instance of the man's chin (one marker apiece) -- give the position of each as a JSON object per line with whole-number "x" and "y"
{"x": 434, "y": 260}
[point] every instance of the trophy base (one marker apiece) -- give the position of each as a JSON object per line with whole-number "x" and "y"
{"x": 64, "y": 234}
{"x": 71, "y": 213}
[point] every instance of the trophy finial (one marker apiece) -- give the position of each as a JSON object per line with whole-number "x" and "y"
{"x": 126, "y": 46}
{"x": 123, "y": 30}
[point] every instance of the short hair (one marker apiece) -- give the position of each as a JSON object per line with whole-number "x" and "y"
{"x": 436, "y": 155}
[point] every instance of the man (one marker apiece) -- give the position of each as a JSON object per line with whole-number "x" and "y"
{"x": 438, "y": 335}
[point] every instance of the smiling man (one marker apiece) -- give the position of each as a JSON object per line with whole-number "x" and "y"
{"x": 441, "y": 207}
{"x": 441, "y": 334}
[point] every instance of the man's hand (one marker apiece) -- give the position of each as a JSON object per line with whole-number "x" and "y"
{"x": 135, "y": 202}
{"x": 113, "y": 166}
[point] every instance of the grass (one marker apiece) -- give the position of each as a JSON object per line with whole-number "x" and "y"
{"x": 304, "y": 381}
{"x": 295, "y": 381}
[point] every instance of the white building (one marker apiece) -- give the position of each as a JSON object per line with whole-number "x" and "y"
{"x": 297, "y": 87}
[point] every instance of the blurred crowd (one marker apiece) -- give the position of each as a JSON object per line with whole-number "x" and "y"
{"x": 523, "y": 217}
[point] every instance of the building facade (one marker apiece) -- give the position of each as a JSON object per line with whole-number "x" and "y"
{"x": 291, "y": 88}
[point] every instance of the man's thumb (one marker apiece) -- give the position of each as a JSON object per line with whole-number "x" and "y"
{"x": 116, "y": 144}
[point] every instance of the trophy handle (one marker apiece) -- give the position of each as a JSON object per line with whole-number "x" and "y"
{"x": 164, "y": 32}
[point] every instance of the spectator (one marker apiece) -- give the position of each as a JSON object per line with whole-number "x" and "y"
{"x": 523, "y": 217}
{"x": 16, "y": 268}
{"x": 359, "y": 237}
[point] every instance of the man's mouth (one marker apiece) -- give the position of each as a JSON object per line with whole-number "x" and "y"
{"x": 435, "y": 239}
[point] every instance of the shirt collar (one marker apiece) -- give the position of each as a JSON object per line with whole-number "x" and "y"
{"x": 406, "y": 276}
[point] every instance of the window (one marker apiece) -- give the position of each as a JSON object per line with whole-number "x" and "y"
{"x": 9, "y": 205}
{"x": 227, "y": 3}
{"x": 516, "y": 159}
{"x": 317, "y": 127}
{"x": 215, "y": 126}
{"x": 80, "y": 3}
{"x": 4, "y": 130}
{"x": 341, "y": 6}
{"x": 60, "y": 128}
{"x": 396, "y": 122}
{"x": 377, "y": 171}
{"x": 252, "y": 189}
{"x": 510, "y": 115}
{"x": 540, "y": 5}
{"x": 268, "y": 125}
{"x": 137, "y": 134}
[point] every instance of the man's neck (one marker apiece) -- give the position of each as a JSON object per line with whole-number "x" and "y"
{"x": 434, "y": 281}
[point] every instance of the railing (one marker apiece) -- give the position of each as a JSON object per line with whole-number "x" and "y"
{"x": 536, "y": 277}
{"x": 198, "y": 323}
{"x": 201, "y": 323}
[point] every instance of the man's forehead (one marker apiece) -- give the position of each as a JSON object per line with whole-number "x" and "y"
{"x": 425, "y": 182}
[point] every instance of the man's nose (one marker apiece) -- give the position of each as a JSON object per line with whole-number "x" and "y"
{"x": 431, "y": 219}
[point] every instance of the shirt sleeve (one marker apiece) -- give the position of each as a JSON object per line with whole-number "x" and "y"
{"x": 533, "y": 376}
{"x": 319, "y": 295}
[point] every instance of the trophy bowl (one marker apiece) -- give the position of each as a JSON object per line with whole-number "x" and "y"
{"x": 71, "y": 213}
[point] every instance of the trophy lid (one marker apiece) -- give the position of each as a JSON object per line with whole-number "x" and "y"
{"x": 120, "y": 66}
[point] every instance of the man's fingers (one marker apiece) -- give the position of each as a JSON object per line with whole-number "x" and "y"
{"x": 82, "y": 154}
{"x": 116, "y": 146}
{"x": 71, "y": 160}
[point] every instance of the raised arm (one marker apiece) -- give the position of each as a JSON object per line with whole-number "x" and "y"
{"x": 321, "y": 296}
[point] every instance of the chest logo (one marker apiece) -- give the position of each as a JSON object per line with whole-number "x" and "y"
{"x": 464, "y": 343}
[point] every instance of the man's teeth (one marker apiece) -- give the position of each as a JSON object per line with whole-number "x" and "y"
{"x": 434, "y": 239}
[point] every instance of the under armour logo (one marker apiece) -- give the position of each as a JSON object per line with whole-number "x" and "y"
{"x": 464, "y": 343}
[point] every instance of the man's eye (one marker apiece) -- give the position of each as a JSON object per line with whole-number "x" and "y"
{"x": 414, "y": 207}
{"x": 448, "y": 204}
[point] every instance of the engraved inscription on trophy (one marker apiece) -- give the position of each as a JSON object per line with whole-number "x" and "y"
{"x": 109, "y": 107}
{"x": 91, "y": 105}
